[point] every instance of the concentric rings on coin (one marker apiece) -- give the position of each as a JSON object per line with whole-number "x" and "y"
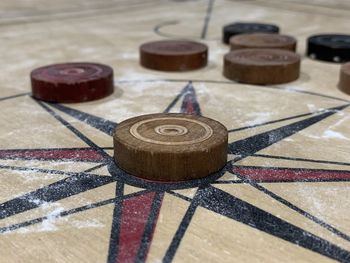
{"x": 170, "y": 147}
{"x": 171, "y": 126}
{"x": 72, "y": 82}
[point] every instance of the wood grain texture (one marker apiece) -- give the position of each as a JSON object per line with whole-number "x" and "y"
{"x": 262, "y": 66}
{"x": 263, "y": 40}
{"x": 170, "y": 147}
{"x": 173, "y": 55}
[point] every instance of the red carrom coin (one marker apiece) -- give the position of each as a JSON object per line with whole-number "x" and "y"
{"x": 263, "y": 40}
{"x": 262, "y": 66}
{"x": 72, "y": 82}
{"x": 170, "y": 147}
{"x": 344, "y": 83}
{"x": 173, "y": 55}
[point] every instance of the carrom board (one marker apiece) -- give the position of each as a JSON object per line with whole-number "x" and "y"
{"x": 284, "y": 195}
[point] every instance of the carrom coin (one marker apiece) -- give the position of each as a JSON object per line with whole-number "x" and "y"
{"x": 241, "y": 28}
{"x": 72, "y": 82}
{"x": 170, "y": 147}
{"x": 262, "y": 66}
{"x": 330, "y": 47}
{"x": 263, "y": 40}
{"x": 173, "y": 55}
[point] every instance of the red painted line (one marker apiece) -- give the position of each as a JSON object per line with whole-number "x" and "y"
{"x": 272, "y": 174}
{"x": 135, "y": 213}
{"x": 55, "y": 154}
{"x": 189, "y": 107}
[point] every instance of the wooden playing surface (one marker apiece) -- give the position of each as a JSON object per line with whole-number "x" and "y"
{"x": 284, "y": 195}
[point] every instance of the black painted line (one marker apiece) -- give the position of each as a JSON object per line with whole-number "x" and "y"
{"x": 180, "y": 232}
{"x": 296, "y": 209}
{"x": 157, "y": 28}
{"x": 40, "y": 170}
{"x": 116, "y": 221}
{"x": 59, "y": 190}
{"x": 317, "y": 94}
{"x": 280, "y": 120}
{"x": 292, "y": 169}
{"x": 253, "y": 144}
{"x": 179, "y": 196}
{"x": 299, "y": 181}
{"x": 314, "y": 181}
{"x": 149, "y": 228}
{"x": 229, "y": 182}
{"x": 75, "y": 131}
{"x": 227, "y": 205}
{"x": 177, "y": 98}
{"x": 66, "y": 213}
{"x": 223, "y": 203}
{"x": 99, "y": 123}
{"x": 95, "y": 168}
{"x": 14, "y": 96}
{"x": 48, "y": 149}
{"x": 207, "y": 18}
{"x": 299, "y": 159}
{"x": 62, "y": 214}
{"x": 48, "y": 159}
{"x": 271, "y": 122}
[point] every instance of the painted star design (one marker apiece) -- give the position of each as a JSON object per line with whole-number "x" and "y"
{"x": 135, "y": 215}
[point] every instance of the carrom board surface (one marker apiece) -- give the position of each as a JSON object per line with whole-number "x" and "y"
{"x": 284, "y": 195}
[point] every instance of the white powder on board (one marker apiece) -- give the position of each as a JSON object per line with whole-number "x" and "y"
{"x": 54, "y": 221}
{"x": 49, "y": 224}
{"x": 132, "y": 75}
{"x": 130, "y": 55}
{"x": 86, "y": 223}
{"x": 333, "y": 134}
{"x": 259, "y": 117}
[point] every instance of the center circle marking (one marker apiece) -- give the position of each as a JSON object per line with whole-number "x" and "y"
{"x": 72, "y": 71}
{"x": 172, "y": 130}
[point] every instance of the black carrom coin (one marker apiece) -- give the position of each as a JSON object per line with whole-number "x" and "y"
{"x": 241, "y": 28}
{"x": 330, "y": 47}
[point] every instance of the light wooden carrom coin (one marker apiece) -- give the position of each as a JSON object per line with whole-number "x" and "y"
{"x": 170, "y": 147}
{"x": 262, "y": 66}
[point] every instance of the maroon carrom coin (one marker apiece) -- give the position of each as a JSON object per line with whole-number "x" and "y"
{"x": 72, "y": 82}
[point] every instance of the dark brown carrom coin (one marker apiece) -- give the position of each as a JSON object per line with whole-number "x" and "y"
{"x": 173, "y": 55}
{"x": 170, "y": 147}
{"x": 263, "y": 40}
{"x": 72, "y": 82}
{"x": 262, "y": 66}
